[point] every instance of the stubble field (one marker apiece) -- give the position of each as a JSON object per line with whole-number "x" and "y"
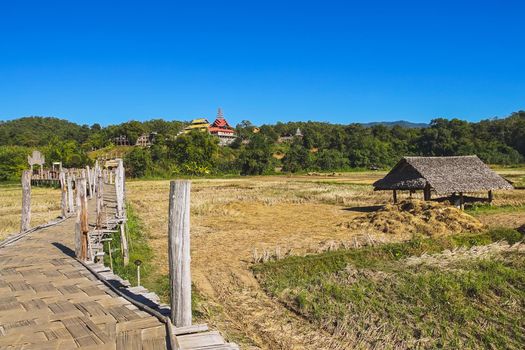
{"x": 45, "y": 206}
{"x": 232, "y": 218}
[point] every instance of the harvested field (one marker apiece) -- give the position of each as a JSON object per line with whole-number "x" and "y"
{"x": 232, "y": 217}
{"x": 45, "y": 205}
{"x": 416, "y": 217}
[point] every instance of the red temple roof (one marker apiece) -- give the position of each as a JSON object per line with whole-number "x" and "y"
{"x": 220, "y": 122}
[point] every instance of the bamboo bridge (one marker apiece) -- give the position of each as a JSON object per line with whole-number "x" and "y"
{"x": 50, "y": 298}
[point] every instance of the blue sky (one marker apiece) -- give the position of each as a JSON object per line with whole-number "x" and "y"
{"x": 265, "y": 61}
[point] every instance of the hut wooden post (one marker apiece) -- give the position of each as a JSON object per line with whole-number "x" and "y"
{"x": 26, "y": 201}
{"x": 70, "y": 202}
{"x": 179, "y": 252}
{"x": 427, "y": 195}
{"x": 491, "y": 196}
{"x": 395, "y": 196}
{"x": 63, "y": 188}
{"x": 461, "y": 201}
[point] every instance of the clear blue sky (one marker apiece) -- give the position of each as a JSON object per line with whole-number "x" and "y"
{"x": 266, "y": 61}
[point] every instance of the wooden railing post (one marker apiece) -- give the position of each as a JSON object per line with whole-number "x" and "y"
{"x": 26, "y": 201}
{"x": 70, "y": 200}
{"x": 82, "y": 227}
{"x": 88, "y": 183}
{"x": 121, "y": 212}
{"x": 78, "y": 230}
{"x": 100, "y": 200}
{"x": 63, "y": 189}
{"x": 179, "y": 252}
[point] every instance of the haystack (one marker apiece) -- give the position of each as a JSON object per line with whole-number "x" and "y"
{"x": 416, "y": 217}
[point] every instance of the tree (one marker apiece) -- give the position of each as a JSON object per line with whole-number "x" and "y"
{"x": 256, "y": 157}
{"x": 68, "y": 152}
{"x": 194, "y": 150}
{"x": 13, "y": 160}
{"x": 138, "y": 162}
{"x": 331, "y": 159}
{"x": 297, "y": 158}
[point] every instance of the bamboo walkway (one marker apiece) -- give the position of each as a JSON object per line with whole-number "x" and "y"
{"x": 49, "y": 300}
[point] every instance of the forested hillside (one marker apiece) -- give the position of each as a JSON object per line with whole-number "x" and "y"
{"x": 323, "y": 147}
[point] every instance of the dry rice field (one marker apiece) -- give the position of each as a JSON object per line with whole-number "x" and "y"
{"x": 45, "y": 205}
{"x": 233, "y": 217}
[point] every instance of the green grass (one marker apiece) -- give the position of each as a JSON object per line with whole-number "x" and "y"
{"x": 482, "y": 209}
{"x": 139, "y": 249}
{"x": 370, "y": 296}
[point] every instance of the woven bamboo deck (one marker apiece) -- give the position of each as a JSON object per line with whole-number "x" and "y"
{"x": 48, "y": 300}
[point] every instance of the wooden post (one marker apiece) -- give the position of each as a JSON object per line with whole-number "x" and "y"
{"x": 179, "y": 252}
{"x": 70, "y": 202}
{"x": 427, "y": 195}
{"x": 118, "y": 194}
{"x": 63, "y": 188}
{"x": 491, "y": 196}
{"x": 100, "y": 200}
{"x": 395, "y": 196}
{"x": 78, "y": 230}
{"x": 461, "y": 201}
{"x": 88, "y": 184}
{"x": 26, "y": 201}
{"x": 81, "y": 237}
{"x": 121, "y": 213}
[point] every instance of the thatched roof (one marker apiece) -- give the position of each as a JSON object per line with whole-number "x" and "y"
{"x": 444, "y": 175}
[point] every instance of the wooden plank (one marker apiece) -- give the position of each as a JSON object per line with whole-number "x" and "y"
{"x": 26, "y": 201}
{"x": 179, "y": 252}
{"x": 196, "y": 328}
{"x": 192, "y": 341}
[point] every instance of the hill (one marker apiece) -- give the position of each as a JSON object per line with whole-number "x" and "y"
{"x": 401, "y": 123}
{"x": 39, "y": 131}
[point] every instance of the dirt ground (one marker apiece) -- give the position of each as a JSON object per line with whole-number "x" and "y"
{"x": 232, "y": 217}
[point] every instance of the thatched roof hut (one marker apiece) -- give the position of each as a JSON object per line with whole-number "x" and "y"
{"x": 443, "y": 175}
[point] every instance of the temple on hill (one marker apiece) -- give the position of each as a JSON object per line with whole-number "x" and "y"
{"x": 201, "y": 124}
{"x": 222, "y": 129}
{"x": 219, "y": 128}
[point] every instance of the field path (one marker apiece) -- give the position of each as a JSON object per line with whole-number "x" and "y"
{"x": 48, "y": 300}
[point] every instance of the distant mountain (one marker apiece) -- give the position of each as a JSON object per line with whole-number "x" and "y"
{"x": 402, "y": 123}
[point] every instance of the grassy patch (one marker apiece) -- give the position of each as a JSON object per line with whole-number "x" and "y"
{"x": 372, "y": 297}
{"x": 139, "y": 249}
{"x": 483, "y": 209}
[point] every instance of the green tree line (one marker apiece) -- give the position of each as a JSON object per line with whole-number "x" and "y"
{"x": 323, "y": 146}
